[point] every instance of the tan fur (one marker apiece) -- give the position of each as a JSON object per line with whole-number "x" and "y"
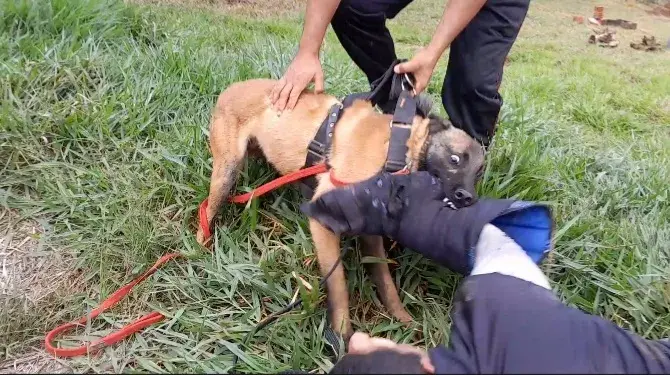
{"x": 243, "y": 113}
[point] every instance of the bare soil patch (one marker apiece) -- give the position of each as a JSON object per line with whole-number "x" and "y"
{"x": 33, "y": 278}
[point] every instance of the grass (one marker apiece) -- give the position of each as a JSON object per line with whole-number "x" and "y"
{"x": 103, "y": 147}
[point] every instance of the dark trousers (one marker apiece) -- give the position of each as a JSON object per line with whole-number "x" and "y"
{"x": 504, "y": 325}
{"x": 470, "y": 89}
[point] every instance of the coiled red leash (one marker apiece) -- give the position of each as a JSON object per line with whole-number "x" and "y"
{"x": 112, "y": 300}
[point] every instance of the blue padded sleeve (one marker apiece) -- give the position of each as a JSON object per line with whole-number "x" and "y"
{"x": 530, "y": 226}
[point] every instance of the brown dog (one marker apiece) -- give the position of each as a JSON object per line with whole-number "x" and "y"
{"x": 244, "y": 117}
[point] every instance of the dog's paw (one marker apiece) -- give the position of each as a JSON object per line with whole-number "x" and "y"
{"x": 402, "y": 316}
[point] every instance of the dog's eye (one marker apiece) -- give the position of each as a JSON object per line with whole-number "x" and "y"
{"x": 455, "y": 159}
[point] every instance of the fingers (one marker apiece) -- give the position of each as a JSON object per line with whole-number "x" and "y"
{"x": 406, "y": 67}
{"x": 361, "y": 343}
{"x": 293, "y": 97}
{"x": 419, "y": 86}
{"x": 276, "y": 90}
{"x": 400, "y": 68}
{"x": 281, "y": 102}
{"x": 427, "y": 365}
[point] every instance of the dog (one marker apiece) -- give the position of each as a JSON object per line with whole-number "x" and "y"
{"x": 244, "y": 122}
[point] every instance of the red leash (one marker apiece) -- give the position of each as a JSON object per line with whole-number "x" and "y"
{"x": 262, "y": 190}
{"x": 112, "y": 300}
{"x": 156, "y": 317}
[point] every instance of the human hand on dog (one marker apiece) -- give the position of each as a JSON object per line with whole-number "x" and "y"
{"x": 304, "y": 69}
{"x": 410, "y": 209}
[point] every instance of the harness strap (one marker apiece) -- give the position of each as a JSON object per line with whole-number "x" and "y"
{"x": 401, "y": 128}
{"x": 320, "y": 145}
{"x": 379, "y": 86}
{"x": 403, "y": 118}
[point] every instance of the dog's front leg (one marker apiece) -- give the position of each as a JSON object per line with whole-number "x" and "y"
{"x": 327, "y": 245}
{"x": 381, "y": 276}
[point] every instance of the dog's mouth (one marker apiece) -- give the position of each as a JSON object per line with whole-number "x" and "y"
{"x": 449, "y": 203}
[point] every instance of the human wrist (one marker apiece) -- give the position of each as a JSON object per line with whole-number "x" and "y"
{"x": 436, "y": 49}
{"x": 309, "y": 50}
{"x": 308, "y": 53}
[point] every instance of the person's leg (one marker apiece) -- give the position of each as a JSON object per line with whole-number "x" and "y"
{"x": 476, "y": 58}
{"x": 505, "y": 319}
{"x": 360, "y": 26}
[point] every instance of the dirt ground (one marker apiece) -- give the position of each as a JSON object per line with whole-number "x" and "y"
{"x": 31, "y": 276}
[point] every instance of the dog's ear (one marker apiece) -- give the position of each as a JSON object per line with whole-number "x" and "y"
{"x": 423, "y": 105}
{"x": 437, "y": 124}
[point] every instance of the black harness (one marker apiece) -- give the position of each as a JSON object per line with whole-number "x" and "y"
{"x": 401, "y": 124}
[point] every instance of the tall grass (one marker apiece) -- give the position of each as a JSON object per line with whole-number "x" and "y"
{"x": 103, "y": 135}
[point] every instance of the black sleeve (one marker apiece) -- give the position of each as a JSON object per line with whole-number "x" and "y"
{"x": 501, "y": 324}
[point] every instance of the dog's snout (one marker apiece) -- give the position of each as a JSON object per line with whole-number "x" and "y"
{"x": 463, "y": 196}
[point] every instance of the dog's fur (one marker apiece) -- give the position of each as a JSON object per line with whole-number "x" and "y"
{"x": 244, "y": 121}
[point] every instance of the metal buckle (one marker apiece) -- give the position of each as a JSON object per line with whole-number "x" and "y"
{"x": 316, "y": 148}
{"x": 406, "y": 81}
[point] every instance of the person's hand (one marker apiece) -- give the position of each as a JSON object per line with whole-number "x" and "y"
{"x": 361, "y": 343}
{"x": 422, "y": 66}
{"x": 304, "y": 69}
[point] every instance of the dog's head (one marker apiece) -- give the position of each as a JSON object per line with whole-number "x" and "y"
{"x": 453, "y": 156}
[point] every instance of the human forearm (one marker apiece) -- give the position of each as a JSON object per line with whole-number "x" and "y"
{"x": 410, "y": 209}
{"x": 457, "y": 14}
{"x": 317, "y": 17}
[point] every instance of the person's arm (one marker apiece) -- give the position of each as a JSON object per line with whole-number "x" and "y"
{"x": 305, "y": 67}
{"x": 457, "y": 15}
{"x": 317, "y": 17}
{"x": 410, "y": 210}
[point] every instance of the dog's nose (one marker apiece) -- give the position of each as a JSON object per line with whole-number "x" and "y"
{"x": 463, "y": 196}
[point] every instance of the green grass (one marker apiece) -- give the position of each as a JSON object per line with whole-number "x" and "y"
{"x": 103, "y": 138}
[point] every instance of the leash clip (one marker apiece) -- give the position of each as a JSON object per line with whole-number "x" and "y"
{"x": 406, "y": 81}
